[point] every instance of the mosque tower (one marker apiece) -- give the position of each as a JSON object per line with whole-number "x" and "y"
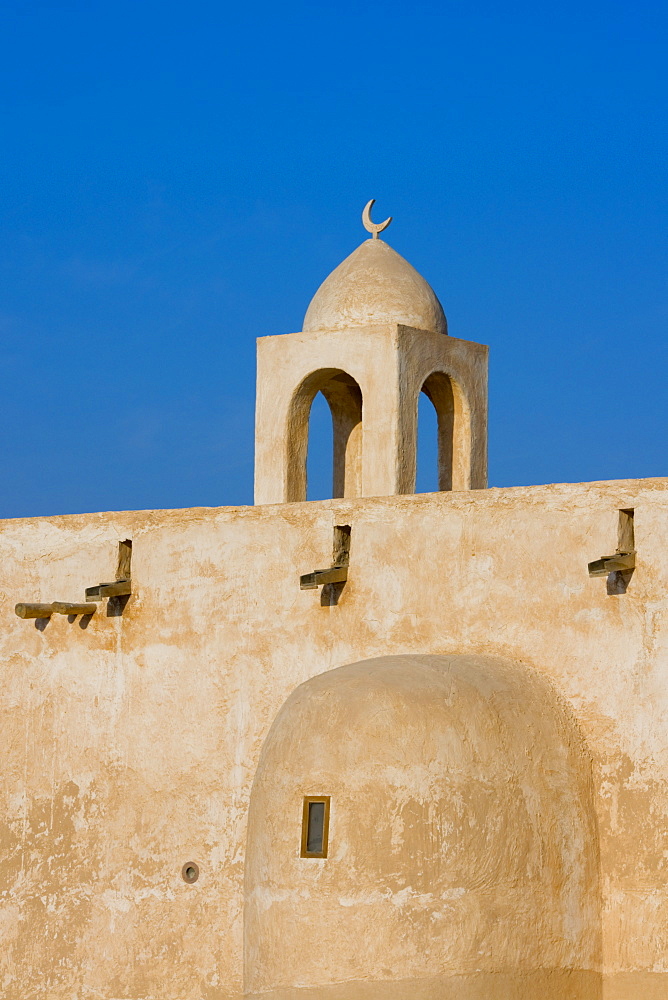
{"x": 374, "y": 337}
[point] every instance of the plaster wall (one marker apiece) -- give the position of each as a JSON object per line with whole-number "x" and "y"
{"x": 462, "y": 829}
{"x": 389, "y": 363}
{"x": 130, "y": 746}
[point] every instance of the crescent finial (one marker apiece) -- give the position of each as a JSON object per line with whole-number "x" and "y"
{"x": 370, "y": 226}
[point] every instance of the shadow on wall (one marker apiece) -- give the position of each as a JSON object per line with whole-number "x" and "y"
{"x": 463, "y": 848}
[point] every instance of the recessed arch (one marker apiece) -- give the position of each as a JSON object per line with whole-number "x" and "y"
{"x": 454, "y": 430}
{"x": 463, "y": 842}
{"x": 344, "y": 397}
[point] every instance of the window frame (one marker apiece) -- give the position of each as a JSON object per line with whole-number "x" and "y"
{"x": 308, "y": 799}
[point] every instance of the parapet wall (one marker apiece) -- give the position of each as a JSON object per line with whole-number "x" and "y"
{"x": 130, "y": 745}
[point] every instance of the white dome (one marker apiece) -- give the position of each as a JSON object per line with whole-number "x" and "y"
{"x": 373, "y": 286}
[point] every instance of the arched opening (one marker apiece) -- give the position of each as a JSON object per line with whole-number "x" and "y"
{"x": 320, "y": 454}
{"x": 453, "y": 432}
{"x": 344, "y": 397}
{"x": 426, "y": 477}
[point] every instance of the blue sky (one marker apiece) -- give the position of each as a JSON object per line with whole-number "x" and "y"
{"x": 177, "y": 179}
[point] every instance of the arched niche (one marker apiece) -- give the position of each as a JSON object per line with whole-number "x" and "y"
{"x": 454, "y": 430}
{"x": 344, "y": 397}
{"x": 462, "y": 846}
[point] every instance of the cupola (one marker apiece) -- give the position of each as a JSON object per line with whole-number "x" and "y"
{"x": 375, "y": 285}
{"x": 374, "y": 337}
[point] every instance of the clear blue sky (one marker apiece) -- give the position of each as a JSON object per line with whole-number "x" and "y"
{"x": 178, "y": 178}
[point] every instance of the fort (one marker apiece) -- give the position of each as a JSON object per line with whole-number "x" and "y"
{"x": 384, "y": 746}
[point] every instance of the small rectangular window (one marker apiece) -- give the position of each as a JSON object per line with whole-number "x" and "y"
{"x": 315, "y": 826}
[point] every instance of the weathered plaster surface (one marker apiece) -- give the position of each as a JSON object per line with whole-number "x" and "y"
{"x": 389, "y": 363}
{"x": 372, "y": 286}
{"x": 463, "y": 829}
{"x": 130, "y": 746}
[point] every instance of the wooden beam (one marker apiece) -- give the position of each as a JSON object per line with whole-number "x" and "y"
{"x": 63, "y": 608}
{"x": 335, "y": 574}
{"x": 34, "y": 610}
{"x": 124, "y": 568}
{"x": 619, "y": 562}
{"x": 120, "y": 588}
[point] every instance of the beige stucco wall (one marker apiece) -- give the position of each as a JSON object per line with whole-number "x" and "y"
{"x": 130, "y": 746}
{"x": 463, "y": 834}
{"x": 390, "y": 364}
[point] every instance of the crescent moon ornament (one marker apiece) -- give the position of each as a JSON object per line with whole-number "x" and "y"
{"x": 373, "y": 227}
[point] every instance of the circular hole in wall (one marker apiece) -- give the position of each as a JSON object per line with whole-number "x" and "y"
{"x": 190, "y": 872}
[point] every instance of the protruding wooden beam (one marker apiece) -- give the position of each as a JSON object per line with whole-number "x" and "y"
{"x": 120, "y": 588}
{"x": 620, "y": 561}
{"x": 335, "y": 574}
{"x": 63, "y": 608}
{"x": 34, "y": 610}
